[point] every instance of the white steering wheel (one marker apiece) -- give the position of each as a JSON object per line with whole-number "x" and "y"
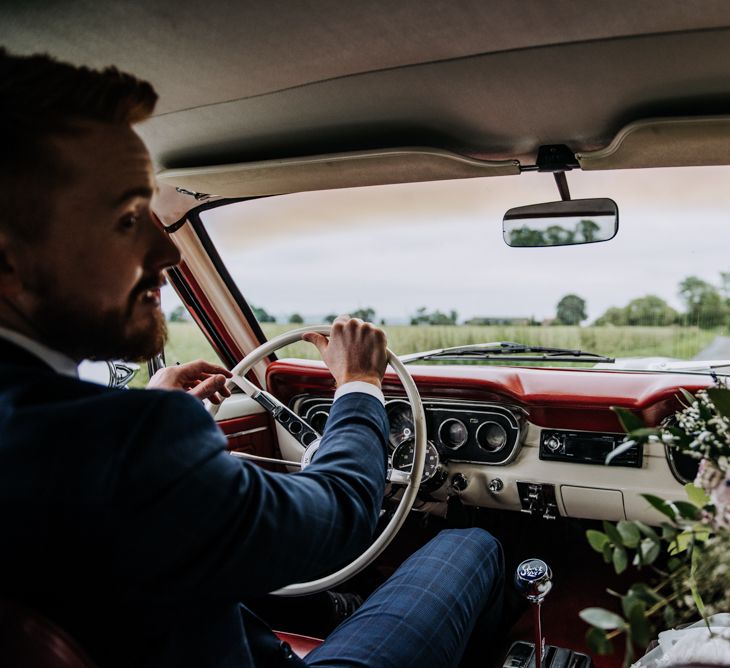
{"x": 309, "y": 440}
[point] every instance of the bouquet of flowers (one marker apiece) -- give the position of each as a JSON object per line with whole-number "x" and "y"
{"x": 688, "y": 556}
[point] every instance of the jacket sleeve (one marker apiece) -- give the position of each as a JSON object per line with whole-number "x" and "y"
{"x": 187, "y": 519}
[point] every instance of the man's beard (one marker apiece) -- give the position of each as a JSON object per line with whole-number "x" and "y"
{"x": 81, "y": 333}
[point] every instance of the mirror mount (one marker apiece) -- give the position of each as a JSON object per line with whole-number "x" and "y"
{"x": 555, "y": 159}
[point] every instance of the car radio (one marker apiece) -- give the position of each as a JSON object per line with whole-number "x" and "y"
{"x": 587, "y": 447}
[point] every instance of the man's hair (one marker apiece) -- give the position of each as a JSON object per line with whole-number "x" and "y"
{"x": 40, "y": 98}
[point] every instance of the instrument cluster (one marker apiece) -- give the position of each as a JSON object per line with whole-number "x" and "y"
{"x": 468, "y": 432}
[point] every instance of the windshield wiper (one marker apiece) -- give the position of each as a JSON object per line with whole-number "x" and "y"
{"x": 506, "y": 350}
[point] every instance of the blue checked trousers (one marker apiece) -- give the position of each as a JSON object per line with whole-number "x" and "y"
{"x": 425, "y": 612}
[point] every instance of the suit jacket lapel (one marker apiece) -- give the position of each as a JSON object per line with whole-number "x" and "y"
{"x": 13, "y": 355}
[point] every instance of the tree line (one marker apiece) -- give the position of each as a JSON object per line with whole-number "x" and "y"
{"x": 706, "y": 305}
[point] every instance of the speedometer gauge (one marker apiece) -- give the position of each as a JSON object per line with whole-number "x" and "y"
{"x": 400, "y": 418}
{"x": 403, "y": 459}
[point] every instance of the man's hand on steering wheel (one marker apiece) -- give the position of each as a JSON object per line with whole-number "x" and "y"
{"x": 199, "y": 378}
{"x": 355, "y": 351}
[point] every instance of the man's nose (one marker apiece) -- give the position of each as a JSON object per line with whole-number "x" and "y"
{"x": 163, "y": 252}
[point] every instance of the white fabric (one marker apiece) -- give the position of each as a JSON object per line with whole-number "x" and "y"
{"x": 59, "y": 362}
{"x": 360, "y": 386}
{"x": 692, "y": 645}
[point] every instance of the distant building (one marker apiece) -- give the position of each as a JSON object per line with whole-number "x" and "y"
{"x": 504, "y": 321}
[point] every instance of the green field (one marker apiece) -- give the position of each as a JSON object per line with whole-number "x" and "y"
{"x": 187, "y": 343}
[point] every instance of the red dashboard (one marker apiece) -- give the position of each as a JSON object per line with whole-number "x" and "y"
{"x": 568, "y": 398}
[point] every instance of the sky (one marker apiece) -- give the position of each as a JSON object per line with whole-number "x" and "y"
{"x": 439, "y": 245}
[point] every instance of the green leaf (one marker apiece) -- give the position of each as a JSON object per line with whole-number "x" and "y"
{"x": 699, "y": 604}
{"x": 645, "y": 593}
{"x": 649, "y": 550}
{"x": 697, "y": 495}
{"x": 612, "y": 533}
{"x": 602, "y": 618}
{"x": 688, "y": 511}
{"x": 670, "y": 617}
{"x": 620, "y": 559}
{"x": 680, "y": 543}
{"x": 674, "y": 564}
{"x": 628, "y": 602}
{"x": 669, "y": 532}
{"x": 721, "y": 398}
{"x": 661, "y": 505}
{"x": 628, "y": 420}
{"x": 688, "y": 396}
{"x": 629, "y": 653}
{"x": 646, "y": 530}
{"x": 644, "y": 433}
{"x": 597, "y": 539}
{"x": 640, "y": 630}
{"x": 629, "y": 533}
{"x": 682, "y": 439}
{"x": 702, "y": 534}
{"x": 598, "y": 642}
{"x": 607, "y": 552}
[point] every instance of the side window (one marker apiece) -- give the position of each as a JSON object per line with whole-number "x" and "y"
{"x": 185, "y": 341}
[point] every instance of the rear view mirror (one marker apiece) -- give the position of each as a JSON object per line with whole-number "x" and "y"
{"x": 577, "y": 221}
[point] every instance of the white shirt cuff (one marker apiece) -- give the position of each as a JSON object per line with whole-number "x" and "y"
{"x": 360, "y": 386}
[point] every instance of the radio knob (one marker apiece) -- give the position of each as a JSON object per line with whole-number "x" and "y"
{"x": 553, "y": 443}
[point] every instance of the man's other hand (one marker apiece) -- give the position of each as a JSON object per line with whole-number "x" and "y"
{"x": 355, "y": 350}
{"x": 199, "y": 378}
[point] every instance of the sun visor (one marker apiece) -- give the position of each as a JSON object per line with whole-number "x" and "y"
{"x": 665, "y": 142}
{"x": 341, "y": 170}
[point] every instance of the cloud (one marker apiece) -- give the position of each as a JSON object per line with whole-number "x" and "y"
{"x": 439, "y": 245}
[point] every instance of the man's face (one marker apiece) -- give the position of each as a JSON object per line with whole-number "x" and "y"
{"x": 90, "y": 284}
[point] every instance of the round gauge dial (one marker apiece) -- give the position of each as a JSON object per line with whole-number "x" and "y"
{"x": 400, "y": 418}
{"x": 403, "y": 459}
{"x": 491, "y": 436}
{"x": 318, "y": 420}
{"x": 453, "y": 433}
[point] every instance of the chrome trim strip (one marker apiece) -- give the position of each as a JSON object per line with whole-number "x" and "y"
{"x": 268, "y": 460}
{"x": 246, "y": 432}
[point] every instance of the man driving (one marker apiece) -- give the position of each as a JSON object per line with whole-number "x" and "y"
{"x": 124, "y": 520}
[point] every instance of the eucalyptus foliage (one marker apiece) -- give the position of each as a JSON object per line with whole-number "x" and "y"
{"x": 687, "y": 556}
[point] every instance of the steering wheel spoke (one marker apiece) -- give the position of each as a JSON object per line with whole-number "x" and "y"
{"x": 396, "y": 477}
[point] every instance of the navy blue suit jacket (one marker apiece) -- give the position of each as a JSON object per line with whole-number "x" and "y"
{"x": 124, "y": 520}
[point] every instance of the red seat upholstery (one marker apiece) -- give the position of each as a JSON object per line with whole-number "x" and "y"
{"x": 28, "y": 640}
{"x": 301, "y": 645}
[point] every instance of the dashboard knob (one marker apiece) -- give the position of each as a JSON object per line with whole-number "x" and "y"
{"x": 495, "y": 485}
{"x": 459, "y": 482}
{"x": 553, "y": 443}
{"x": 534, "y": 580}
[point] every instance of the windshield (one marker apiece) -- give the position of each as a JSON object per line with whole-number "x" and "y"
{"x": 428, "y": 262}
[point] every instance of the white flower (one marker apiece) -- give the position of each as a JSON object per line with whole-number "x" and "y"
{"x": 709, "y": 477}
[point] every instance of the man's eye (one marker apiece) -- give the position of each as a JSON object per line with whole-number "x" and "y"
{"x": 129, "y": 221}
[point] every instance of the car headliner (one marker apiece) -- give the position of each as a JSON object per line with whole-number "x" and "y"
{"x": 243, "y": 81}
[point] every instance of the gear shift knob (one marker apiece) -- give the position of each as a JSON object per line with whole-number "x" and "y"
{"x": 534, "y": 580}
